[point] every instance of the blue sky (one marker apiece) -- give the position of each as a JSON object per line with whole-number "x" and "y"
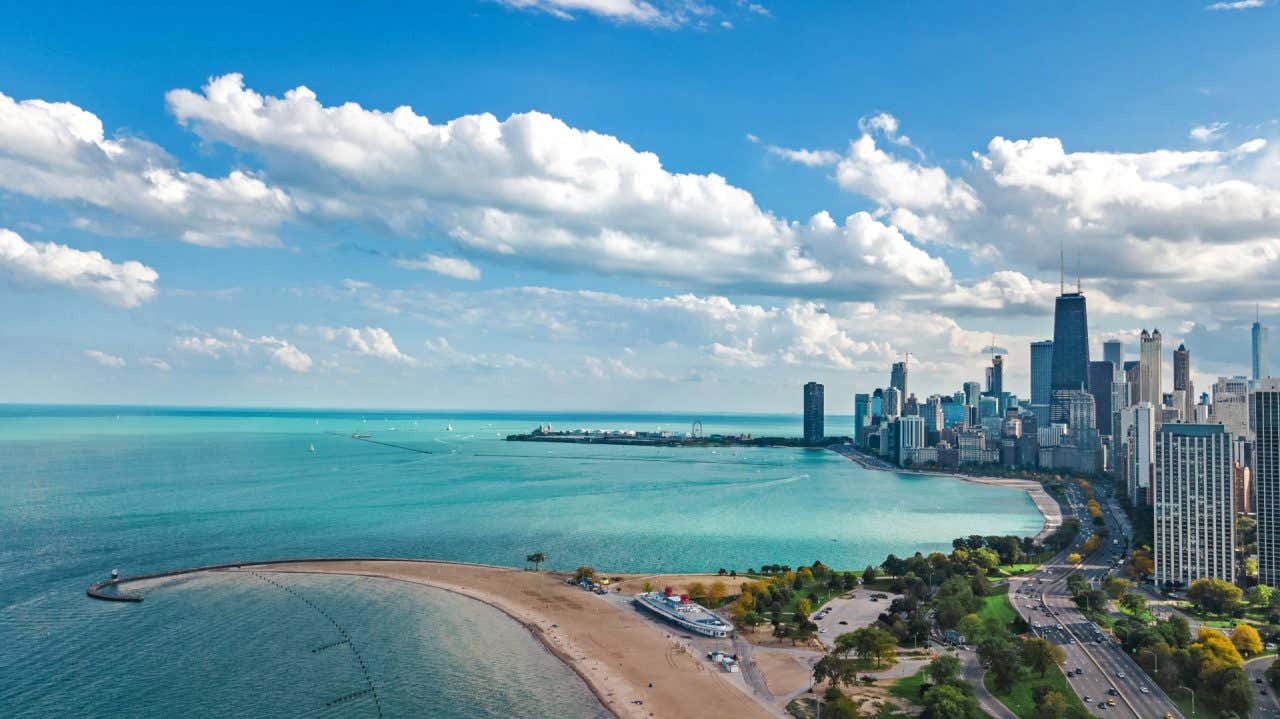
{"x": 603, "y": 204}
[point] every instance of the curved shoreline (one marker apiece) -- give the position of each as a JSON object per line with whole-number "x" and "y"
{"x": 613, "y": 651}
{"x": 1050, "y": 510}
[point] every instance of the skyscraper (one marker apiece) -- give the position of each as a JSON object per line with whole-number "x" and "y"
{"x": 1264, "y": 407}
{"x": 1139, "y": 437}
{"x": 1113, "y": 352}
{"x": 972, "y": 390}
{"x": 997, "y": 376}
{"x": 1182, "y": 382}
{"x": 1193, "y": 504}
{"x": 1101, "y": 375}
{"x": 1149, "y": 367}
{"x": 813, "y": 413}
{"x": 898, "y": 377}
{"x": 1041, "y": 374}
{"x": 892, "y": 402}
{"x": 910, "y": 436}
{"x": 1259, "y": 332}
{"x": 861, "y": 415}
{"x": 1070, "y": 369}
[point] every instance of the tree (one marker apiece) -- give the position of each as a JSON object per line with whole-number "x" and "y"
{"x": 536, "y": 559}
{"x": 1273, "y": 675}
{"x": 1074, "y": 558}
{"x": 1213, "y": 650}
{"x": 1140, "y": 563}
{"x": 837, "y": 705}
{"x": 869, "y": 574}
{"x": 1213, "y": 595}
{"x": 946, "y": 701}
{"x": 1041, "y": 655}
{"x": 1052, "y": 706}
{"x": 871, "y": 643}
{"x": 648, "y": 587}
{"x": 716, "y": 593}
{"x": 1246, "y": 640}
{"x": 985, "y": 558}
{"x": 999, "y": 655}
{"x": 1117, "y": 587}
{"x": 804, "y": 606}
{"x": 1135, "y": 604}
{"x": 697, "y": 591}
{"x": 944, "y": 669}
{"x": 583, "y": 572}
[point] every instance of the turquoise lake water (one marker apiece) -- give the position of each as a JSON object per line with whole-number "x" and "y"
{"x": 83, "y": 490}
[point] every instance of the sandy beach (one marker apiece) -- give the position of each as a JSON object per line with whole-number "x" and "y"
{"x": 615, "y": 650}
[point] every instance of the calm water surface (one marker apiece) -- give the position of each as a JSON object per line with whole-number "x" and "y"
{"x": 83, "y": 490}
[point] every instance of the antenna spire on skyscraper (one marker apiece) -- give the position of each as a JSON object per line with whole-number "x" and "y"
{"x": 1062, "y": 272}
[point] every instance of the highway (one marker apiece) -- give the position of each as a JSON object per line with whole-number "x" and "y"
{"x": 1106, "y": 673}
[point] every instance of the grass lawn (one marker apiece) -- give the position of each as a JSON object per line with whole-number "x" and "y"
{"x": 1019, "y": 700}
{"x": 1015, "y": 569}
{"x": 997, "y": 606}
{"x": 908, "y": 688}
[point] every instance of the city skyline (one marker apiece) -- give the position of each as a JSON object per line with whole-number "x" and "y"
{"x": 467, "y": 218}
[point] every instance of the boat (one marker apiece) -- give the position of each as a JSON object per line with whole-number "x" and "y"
{"x": 357, "y": 435}
{"x": 448, "y": 428}
{"x": 311, "y": 448}
{"x": 683, "y": 612}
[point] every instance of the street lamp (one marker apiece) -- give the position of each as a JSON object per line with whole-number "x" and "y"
{"x": 1192, "y": 692}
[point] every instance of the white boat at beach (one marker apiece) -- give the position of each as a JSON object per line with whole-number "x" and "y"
{"x": 685, "y": 613}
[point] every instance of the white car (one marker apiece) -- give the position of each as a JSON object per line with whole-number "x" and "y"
{"x": 1120, "y": 675}
{"x": 1144, "y": 690}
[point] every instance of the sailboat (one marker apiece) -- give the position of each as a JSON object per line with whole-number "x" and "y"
{"x": 448, "y": 428}
{"x": 311, "y": 448}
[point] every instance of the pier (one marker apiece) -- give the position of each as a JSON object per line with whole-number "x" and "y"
{"x": 393, "y": 445}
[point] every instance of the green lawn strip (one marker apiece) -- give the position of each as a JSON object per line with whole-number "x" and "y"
{"x": 1016, "y": 569}
{"x": 908, "y": 688}
{"x": 1019, "y": 700}
{"x": 997, "y": 606}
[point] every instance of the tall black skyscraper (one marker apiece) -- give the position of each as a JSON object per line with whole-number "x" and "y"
{"x": 997, "y": 376}
{"x": 1070, "y": 343}
{"x": 1101, "y": 374}
{"x": 813, "y": 413}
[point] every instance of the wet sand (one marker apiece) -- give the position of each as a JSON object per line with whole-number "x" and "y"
{"x": 616, "y": 651}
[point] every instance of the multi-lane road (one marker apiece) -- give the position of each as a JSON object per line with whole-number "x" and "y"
{"x": 1099, "y": 670}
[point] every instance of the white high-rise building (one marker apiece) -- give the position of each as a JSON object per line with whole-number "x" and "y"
{"x": 1231, "y": 405}
{"x": 910, "y": 436}
{"x": 1192, "y": 504}
{"x": 1138, "y": 424}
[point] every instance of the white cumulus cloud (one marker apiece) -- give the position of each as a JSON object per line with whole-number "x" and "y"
{"x": 57, "y": 151}
{"x": 232, "y": 344}
{"x": 367, "y": 341}
{"x": 533, "y": 189}
{"x": 126, "y": 284}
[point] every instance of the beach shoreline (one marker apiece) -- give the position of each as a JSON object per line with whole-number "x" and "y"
{"x": 621, "y": 655}
{"x": 1049, "y": 509}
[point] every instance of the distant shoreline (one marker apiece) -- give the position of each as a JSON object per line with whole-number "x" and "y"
{"x": 1048, "y": 506}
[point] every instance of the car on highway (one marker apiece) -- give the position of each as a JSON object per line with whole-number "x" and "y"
{"x": 1120, "y": 675}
